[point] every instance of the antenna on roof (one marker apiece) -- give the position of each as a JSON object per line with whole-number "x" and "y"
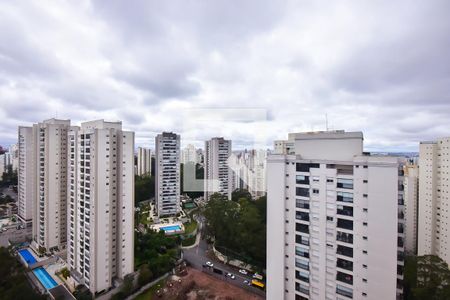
{"x": 326, "y": 121}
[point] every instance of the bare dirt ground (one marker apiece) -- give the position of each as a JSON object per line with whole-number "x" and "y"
{"x": 199, "y": 285}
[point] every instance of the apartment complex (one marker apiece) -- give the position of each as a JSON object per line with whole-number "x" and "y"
{"x": 49, "y": 180}
{"x": 144, "y": 162}
{"x": 334, "y": 224}
{"x": 167, "y": 168}
{"x": 101, "y": 203}
{"x": 434, "y": 201}
{"x": 5, "y": 163}
{"x": 249, "y": 171}
{"x": 26, "y": 175}
{"x": 217, "y": 170}
{"x": 411, "y": 194}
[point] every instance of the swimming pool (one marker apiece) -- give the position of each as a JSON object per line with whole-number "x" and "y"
{"x": 27, "y": 256}
{"x": 47, "y": 281}
{"x": 171, "y": 228}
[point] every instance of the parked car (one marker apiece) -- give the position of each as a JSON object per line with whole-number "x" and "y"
{"x": 209, "y": 264}
{"x": 242, "y": 271}
{"x": 231, "y": 276}
{"x": 257, "y": 276}
{"x": 247, "y": 282}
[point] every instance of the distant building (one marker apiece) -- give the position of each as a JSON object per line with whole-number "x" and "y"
{"x": 167, "y": 164}
{"x": 100, "y": 204}
{"x": 144, "y": 162}
{"x": 283, "y": 147}
{"x": 333, "y": 226}
{"x": 434, "y": 199}
{"x": 189, "y": 154}
{"x": 27, "y": 177}
{"x": 411, "y": 183}
{"x": 14, "y": 151}
{"x": 217, "y": 171}
{"x": 249, "y": 171}
{"x": 5, "y": 163}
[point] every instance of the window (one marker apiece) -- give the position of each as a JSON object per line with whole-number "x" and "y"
{"x": 329, "y": 218}
{"x": 345, "y": 183}
{"x": 304, "y": 167}
{"x": 344, "y": 210}
{"x": 345, "y": 224}
{"x": 302, "y": 179}
{"x": 299, "y": 251}
{"x": 303, "y": 216}
{"x": 344, "y": 291}
{"x": 330, "y": 180}
{"x": 345, "y": 197}
{"x": 302, "y": 264}
{"x": 344, "y": 264}
{"x": 301, "y": 228}
{"x": 343, "y": 277}
{"x": 302, "y": 275}
{"x": 343, "y": 250}
{"x": 315, "y": 191}
{"x": 302, "y": 203}
{"x": 303, "y": 192}
{"x": 316, "y": 179}
{"x": 344, "y": 237}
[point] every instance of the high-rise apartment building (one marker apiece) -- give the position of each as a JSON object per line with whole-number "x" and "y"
{"x": 217, "y": 171}
{"x": 100, "y": 203}
{"x": 5, "y": 163}
{"x": 411, "y": 183}
{"x": 27, "y": 177}
{"x": 14, "y": 151}
{"x": 49, "y": 178}
{"x": 144, "y": 162}
{"x": 249, "y": 171}
{"x": 167, "y": 165}
{"x": 434, "y": 199}
{"x": 333, "y": 220}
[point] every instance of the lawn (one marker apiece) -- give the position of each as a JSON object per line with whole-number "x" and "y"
{"x": 190, "y": 227}
{"x": 189, "y": 241}
{"x": 148, "y": 294}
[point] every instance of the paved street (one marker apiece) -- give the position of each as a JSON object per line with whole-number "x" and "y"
{"x": 197, "y": 257}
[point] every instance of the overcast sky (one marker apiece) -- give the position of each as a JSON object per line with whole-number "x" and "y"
{"x": 251, "y": 71}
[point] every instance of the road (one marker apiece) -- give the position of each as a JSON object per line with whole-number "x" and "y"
{"x": 198, "y": 256}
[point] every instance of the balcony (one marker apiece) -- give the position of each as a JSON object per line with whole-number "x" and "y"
{"x": 302, "y": 228}
{"x": 344, "y": 264}
{"x": 302, "y": 204}
{"x": 302, "y": 216}
{"x": 299, "y": 251}
{"x": 343, "y": 277}
{"x": 344, "y": 210}
{"x": 400, "y": 242}
{"x": 301, "y": 240}
{"x": 301, "y": 179}
{"x": 344, "y": 237}
{"x": 303, "y": 276}
{"x": 302, "y": 192}
{"x": 344, "y": 197}
{"x": 400, "y": 228}
{"x": 344, "y": 183}
{"x": 345, "y": 251}
{"x": 345, "y": 224}
{"x": 344, "y": 291}
{"x": 305, "y": 167}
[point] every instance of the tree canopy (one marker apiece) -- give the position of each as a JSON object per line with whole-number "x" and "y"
{"x": 426, "y": 278}
{"x": 144, "y": 188}
{"x": 238, "y": 227}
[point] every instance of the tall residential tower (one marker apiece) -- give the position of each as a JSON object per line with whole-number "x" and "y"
{"x": 167, "y": 163}
{"x": 217, "y": 171}
{"x": 101, "y": 203}
{"x": 144, "y": 162}
{"x": 333, "y": 220}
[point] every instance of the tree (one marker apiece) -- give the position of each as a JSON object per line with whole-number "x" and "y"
{"x": 145, "y": 275}
{"x": 144, "y": 188}
{"x": 238, "y": 194}
{"x": 426, "y": 277}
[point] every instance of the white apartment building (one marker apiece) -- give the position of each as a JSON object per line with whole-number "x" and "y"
{"x": 5, "y": 163}
{"x": 144, "y": 162}
{"x": 167, "y": 165}
{"x": 249, "y": 171}
{"x": 14, "y": 151}
{"x": 26, "y": 175}
{"x": 49, "y": 179}
{"x": 100, "y": 204}
{"x": 283, "y": 147}
{"x": 333, "y": 220}
{"x": 434, "y": 199}
{"x": 217, "y": 171}
{"x": 411, "y": 183}
{"x": 189, "y": 154}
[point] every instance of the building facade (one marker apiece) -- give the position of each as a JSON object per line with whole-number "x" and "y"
{"x": 27, "y": 178}
{"x": 101, "y": 203}
{"x": 326, "y": 238}
{"x": 411, "y": 183}
{"x": 434, "y": 199}
{"x": 167, "y": 168}
{"x": 49, "y": 179}
{"x": 217, "y": 170}
{"x": 189, "y": 154}
{"x": 144, "y": 162}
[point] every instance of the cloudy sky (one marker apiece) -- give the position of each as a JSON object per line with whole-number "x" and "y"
{"x": 251, "y": 71}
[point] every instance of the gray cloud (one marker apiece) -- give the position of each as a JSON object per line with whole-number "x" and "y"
{"x": 382, "y": 67}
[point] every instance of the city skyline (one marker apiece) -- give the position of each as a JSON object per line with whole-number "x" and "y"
{"x": 152, "y": 63}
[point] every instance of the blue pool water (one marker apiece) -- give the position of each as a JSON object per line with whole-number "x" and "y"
{"x": 47, "y": 281}
{"x": 27, "y": 256}
{"x": 171, "y": 228}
